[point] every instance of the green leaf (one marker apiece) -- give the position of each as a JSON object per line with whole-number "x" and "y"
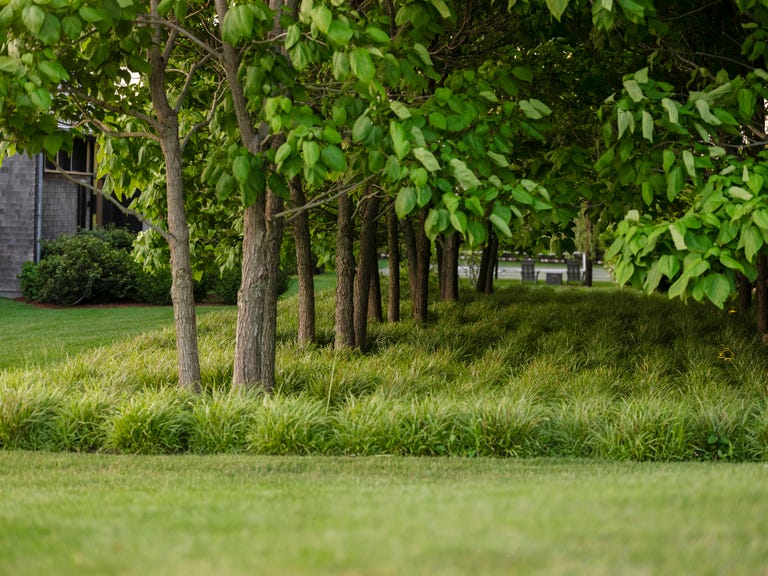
{"x": 361, "y": 129}
{"x": 647, "y": 193}
{"x": 311, "y": 152}
{"x": 753, "y": 241}
{"x": 50, "y": 32}
{"x": 747, "y": 102}
{"x": 474, "y": 205}
{"x": 392, "y": 169}
{"x": 241, "y": 169}
{"x": 669, "y": 265}
{"x": 498, "y": 159}
{"x": 237, "y": 24}
{"x": 361, "y": 64}
{"x": 760, "y": 217}
{"x": 333, "y": 157}
{"x": 625, "y": 121}
{"x": 717, "y": 288}
{"x": 647, "y": 126}
{"x": 671, "y": 107}
{"x": 557, "y": 7}
{"x": 405, "y": 202}
{"x": 427, "y": 159}
{"x": 633, "y": 89}
{"x": 423, "y": 196}
{"x": 340, "y": 33}
{"x": 703, "y": 108}
{"x": 740, "y": 193}
{"x": 400, "y": 143}
{"x": 678, "y": 287}
{"x": 283, "y": 153}
{"x": 459, "y": 221}
{"x": 730, "y": 262}
{"x": 500, "y": 225}
{"x": 668, "y": 160}
{"x": 464, "y": 175}
{"x": 690, "y": 165}
{"x": 419, "y": 177}
{"x": 437, "y": 120}
{"x": 677, "y": 230}
{"x": 377, "y": 35}
{"x": 423, "y": 54}
{"x": 675, "y": 182}
{"x": 400, "y": 109}
{"x": 72, "y": 27}
{"x": 321, "y": 18}
{"x": 9, "y": 65}
{"x": 442, "y": 7}
{"x": 534, "y": 109}
{"x": 33, "y": 16}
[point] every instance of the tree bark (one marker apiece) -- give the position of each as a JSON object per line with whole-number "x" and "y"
{"x": 488, "y": 263}
{"x": 423, "y": 255}
{"x": 449, "y": 271}
{"x": 762, "y": 294}
{"x": 182, "y": 286}
{"x": 375, "y": 311}
{"x": 393, "y": 247}
{"x": 744, "y": 289}
{"x": 365, "y": 268}
{"x": 304, "y": 266}
{"x": 411, "y": 257}
{"x": 345, "y": 275}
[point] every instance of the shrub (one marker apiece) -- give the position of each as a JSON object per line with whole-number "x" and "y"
{"x": 225, "y": 287}
{"x": 80, "y": 268}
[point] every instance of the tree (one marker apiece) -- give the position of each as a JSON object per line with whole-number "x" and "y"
{"x": 68, "y": 70}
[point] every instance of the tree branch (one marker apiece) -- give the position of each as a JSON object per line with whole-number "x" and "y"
{"x": 124, "y": 209}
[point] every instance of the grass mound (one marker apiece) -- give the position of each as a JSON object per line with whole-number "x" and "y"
{"x": 531, "y": 371}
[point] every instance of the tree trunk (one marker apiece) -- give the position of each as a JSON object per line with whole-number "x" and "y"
{"x": 365, "y": 268}
{"x": 762, "y": 293}
{"x": 375, "y": 311}
{"x": 257, "y": 298}
{"x": 304, "y": 266}
{"x": 345, "y": 275}
{"x": 393, "y": 247}
{"x": 411, "y": 258}
{"x": 251, "y": 298}
{"x": 423, "y": 254}
{"x": 488, "y": 263}
{"x": 269, "y": 318}
{"x": 744, "y": 288}
{"x": 182, "y": 286}
{"x": 449, "y": 271}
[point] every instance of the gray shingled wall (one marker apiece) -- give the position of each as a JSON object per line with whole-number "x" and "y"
{"x": 59, "y": 206}
{"x": 17, "y": 219}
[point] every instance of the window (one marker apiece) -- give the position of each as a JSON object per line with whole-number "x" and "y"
{"x": 81, "y": 161}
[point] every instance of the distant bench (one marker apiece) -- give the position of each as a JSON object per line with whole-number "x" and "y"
{"x": 554, "y": 276}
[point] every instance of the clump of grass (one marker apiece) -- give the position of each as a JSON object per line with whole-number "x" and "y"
{"x": 152, "y": 422}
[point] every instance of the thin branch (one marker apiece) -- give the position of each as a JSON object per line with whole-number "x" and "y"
{"x": 207, "y": 120}
{"x": 122, "y": 134}
{"x": 188, "y": 81}
{"x": 124, "y": 209}
{"x": 329, "y": 196}
{"x": 146, "y": 118}
{"x": 169, "y": 45}
{"x": 150, "y": 21}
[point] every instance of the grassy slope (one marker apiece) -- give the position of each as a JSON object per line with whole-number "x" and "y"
{"x": 100, "y": 514}
{"x": 532, "y": 371}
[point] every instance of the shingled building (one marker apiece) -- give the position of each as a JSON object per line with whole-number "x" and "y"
{"x": 38, "y": 203}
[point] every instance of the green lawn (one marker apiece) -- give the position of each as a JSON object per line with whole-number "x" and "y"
{"x": 33, "y": 336}
{"x": 101, "y": 514}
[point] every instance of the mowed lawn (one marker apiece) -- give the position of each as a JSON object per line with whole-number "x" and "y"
{"x": 105, "y": 514}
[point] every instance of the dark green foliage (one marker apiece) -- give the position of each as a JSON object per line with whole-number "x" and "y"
{"x": 224, "y": 288}
{"x": 88, "y": 267}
